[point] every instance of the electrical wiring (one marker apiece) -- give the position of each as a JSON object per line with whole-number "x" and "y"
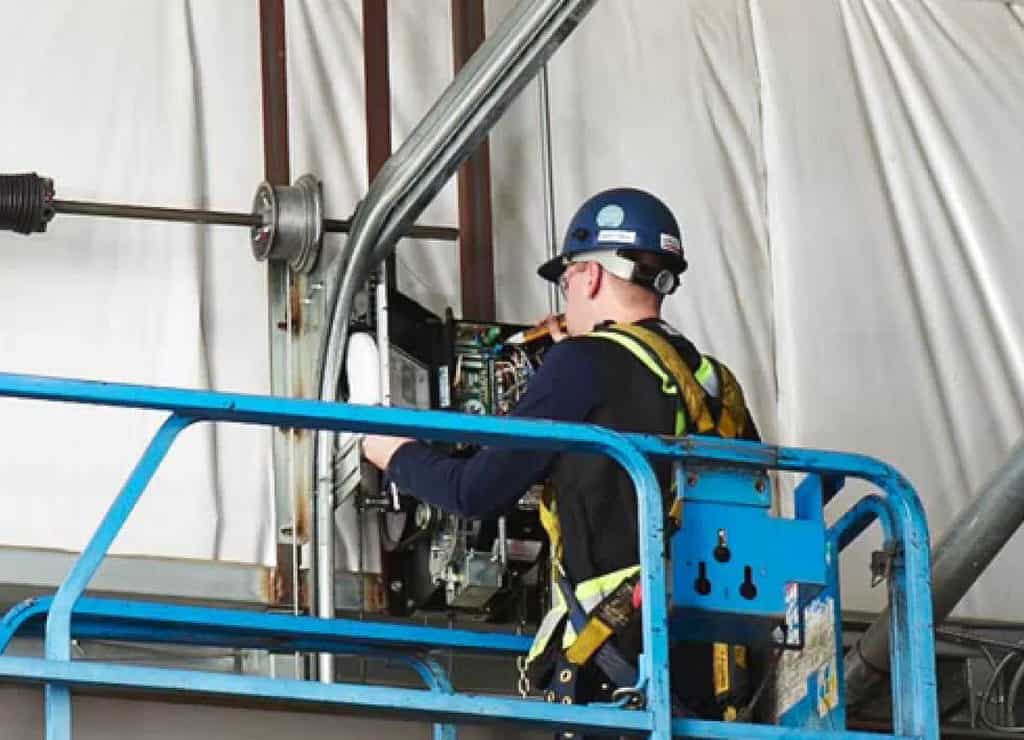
{"x": 1013, "y": 651}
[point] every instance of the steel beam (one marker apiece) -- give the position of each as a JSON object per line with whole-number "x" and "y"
{"x": 476, "y": 242}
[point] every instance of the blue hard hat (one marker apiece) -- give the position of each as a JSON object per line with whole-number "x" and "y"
{"x": 627, "y": 221}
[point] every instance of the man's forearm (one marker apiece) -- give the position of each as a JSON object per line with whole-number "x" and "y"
{"x": 487, "y": 484}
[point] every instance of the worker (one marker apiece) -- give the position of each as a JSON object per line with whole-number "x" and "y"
{"x": 620, "y": 366}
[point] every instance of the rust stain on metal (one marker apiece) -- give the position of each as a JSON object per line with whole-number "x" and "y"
{"x": 277, "y": 583}
{"x": 275, "y": 587}
{"x": 374, "y": 597}
{"x": 304, "y": 512}
{"x": 274, "y": 590}
{"x": 295, "y": 291}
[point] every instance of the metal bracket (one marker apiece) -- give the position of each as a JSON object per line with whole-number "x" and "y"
{"x": 881, "y": 563}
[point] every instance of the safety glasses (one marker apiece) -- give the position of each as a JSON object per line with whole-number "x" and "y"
{"x": 563, "y": 281}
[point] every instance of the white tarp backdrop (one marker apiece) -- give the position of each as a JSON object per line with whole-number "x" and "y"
{"x": 847, "y": 174}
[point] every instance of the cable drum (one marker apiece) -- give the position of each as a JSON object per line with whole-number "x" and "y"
{"x": 26, "y": 203}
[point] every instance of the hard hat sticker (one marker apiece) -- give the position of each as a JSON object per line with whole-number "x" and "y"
{"x": 616, "y": 235}
{"x": 610, "y": 217}
{"x": 671, "y": 244}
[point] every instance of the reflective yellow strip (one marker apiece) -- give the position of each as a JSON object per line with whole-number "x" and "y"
{"x": 590, "y": 593}
{"x": 704, "y": 371}
{"x": 547, "y": 628}
{"x": 602, "y": 585}
{"x": 590, "y": 640}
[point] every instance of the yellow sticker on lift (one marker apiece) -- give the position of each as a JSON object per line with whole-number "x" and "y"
{"x": 828, "y": 688}
{"x": 720, "y": 668}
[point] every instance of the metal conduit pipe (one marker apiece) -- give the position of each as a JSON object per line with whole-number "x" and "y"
{"x": 968, "y": 546}
{"x": 548, "y": 180}
{"x": 447, "y": 135}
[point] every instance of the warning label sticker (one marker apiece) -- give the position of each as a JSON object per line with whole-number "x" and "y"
{"x": 796, "y": 666}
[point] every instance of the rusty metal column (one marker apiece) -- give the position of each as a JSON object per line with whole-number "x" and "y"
{"x": 476, "y": 241}
{"x": 377, "y": 80}
{"x": 275, "y": 92}
{"x": 378, "y": 85}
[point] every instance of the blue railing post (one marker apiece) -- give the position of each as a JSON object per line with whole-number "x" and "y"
{"x": 912, "y": 633}
{"x": 58, "y": 623}
{"x": 436, "y": 678}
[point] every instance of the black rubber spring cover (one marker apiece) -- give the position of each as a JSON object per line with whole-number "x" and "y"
{"x": 26, "y": 203}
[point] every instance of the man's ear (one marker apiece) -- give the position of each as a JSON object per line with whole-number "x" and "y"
{"x": 595, "y": 273}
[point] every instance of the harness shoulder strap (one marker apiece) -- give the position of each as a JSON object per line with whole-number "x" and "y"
{"x": 661, "y": 358}
{"x": 732, "y": 420}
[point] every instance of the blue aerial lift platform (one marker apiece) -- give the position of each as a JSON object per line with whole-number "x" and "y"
{"x": 736, "y": 573}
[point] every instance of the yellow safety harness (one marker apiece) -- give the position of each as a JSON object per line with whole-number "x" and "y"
{"x": 602, "y": 597}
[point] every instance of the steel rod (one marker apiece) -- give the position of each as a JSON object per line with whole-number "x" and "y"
{"x": 153, "y": 213}
{"x": 224, "y": 218}
{"x": 434, "y": 233}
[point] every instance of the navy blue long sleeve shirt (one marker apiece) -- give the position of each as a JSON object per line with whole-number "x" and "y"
{"x": 566, "y": 388}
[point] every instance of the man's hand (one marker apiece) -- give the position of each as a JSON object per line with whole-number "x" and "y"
{"x": 378, "y": 449}
{"x": 554, "y": 322}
